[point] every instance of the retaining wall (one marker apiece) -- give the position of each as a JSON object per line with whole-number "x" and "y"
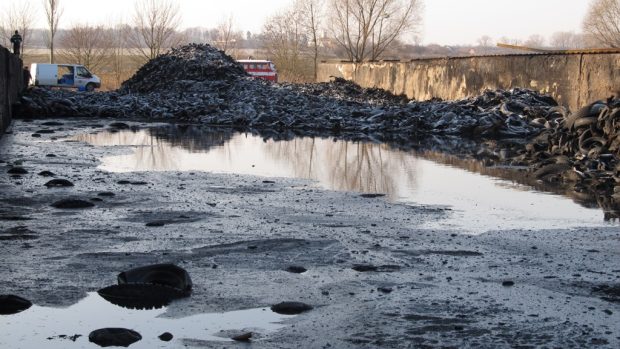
{"x": 572, "y": 79}
{"x": 11, "y": 84}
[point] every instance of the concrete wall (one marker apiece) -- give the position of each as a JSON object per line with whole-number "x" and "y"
{"x": 11, "y": 84}
{"x": 572, "y": 79}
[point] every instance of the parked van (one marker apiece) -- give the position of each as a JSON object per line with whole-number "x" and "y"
{"x": 260, "y": 69}
{"x": 63, "y": 75}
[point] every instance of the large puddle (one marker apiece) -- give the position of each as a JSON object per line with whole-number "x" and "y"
{"x": 55, "y": 326}
{"x": 477, "y": 203}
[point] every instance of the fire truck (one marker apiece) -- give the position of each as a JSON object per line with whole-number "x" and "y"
{"x": 260, "y": 69}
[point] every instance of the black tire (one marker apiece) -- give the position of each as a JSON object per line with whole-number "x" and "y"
{"x": 90, "y": 87}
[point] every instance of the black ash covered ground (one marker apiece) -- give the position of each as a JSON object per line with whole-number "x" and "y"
{"x": 376, "y": 277}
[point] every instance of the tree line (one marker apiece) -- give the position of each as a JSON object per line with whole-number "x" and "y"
{"x": 295, "y": 38}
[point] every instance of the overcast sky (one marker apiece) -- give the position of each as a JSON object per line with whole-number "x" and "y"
{"x": 446, "y": 22}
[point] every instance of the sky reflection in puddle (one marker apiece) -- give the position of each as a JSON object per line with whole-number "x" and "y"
{"x": 478, "y": 203}
{"x": 33, "y": 327}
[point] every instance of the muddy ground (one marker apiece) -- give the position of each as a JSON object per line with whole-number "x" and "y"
{"x": 236, "y": 234}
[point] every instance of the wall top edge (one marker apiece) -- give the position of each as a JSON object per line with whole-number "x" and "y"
{"x": 572, "y": 53}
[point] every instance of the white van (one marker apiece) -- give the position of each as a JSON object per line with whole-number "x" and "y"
{"x": 63, "y": 75}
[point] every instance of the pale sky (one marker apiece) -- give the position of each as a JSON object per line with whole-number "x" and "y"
{"x": 446, "y": 22}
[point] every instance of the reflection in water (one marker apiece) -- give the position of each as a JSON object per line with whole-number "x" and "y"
{"x": 361, "y": 167}
{"x": 33, "y": 327}
{"x": 139, "y": 296}
{"x": 478, "y": 203}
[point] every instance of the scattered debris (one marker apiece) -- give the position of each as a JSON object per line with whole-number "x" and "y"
{"x": 610, "y": 293}
{"x": 372, "y": 195}
{"x": 110, "y": 337}
{"x": 66, "y": 337}
{"x": 385, "y": 289}
{"x": 46, "y": 174}
{"x": 58, "y": 183}
{"x": 245, "y": 337}
{"x": 18, "y": 233}
{"x": 580, "y": 150}
{"x": 17, "y": 170}
{"x": 166, "y": 336}
{"x": 291, "y": 308}
{"x": 148, "y": 287}
{"x": 362, "y": 268}
{"x": 296, "y": 269}
{"x": 10, "y": 304}
{"x": 70, "y": 203}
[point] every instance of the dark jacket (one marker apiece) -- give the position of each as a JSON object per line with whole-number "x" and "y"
{"x": 16, "y": 39}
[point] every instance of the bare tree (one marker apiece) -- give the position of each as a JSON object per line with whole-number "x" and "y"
{"x": 18, "y": 17}
{"x": 366, "y": 28}
{"x": 284, "y": 41}
{"x": 310, "y": 14}
{"x": 535, "y": 41}
{"x": 226, "y": 38}
{"x": 87, "y": 45}
{"x": 485, "y": 41}
{"x": 53, "y": 12}
{"x": 155, "y": 27}
{"x": 602, "y": 22}
{"x": 197, "y": 35}
{"x": 117, "y": 52}
{"x": 566, "y": 40}
{"x": 416, "y": 40}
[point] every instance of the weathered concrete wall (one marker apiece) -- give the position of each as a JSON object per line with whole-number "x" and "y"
{"x": 572, "y": 79}
{"x": 11, "y": 85}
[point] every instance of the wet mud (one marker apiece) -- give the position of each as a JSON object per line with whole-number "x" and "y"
{"x": 374, "y": 276}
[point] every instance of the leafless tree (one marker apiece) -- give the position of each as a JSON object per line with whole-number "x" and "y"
{"x": 155, "y": 27}
{"x": 284, "y": 41}
{"x": 310, "y": 14}
{"x": 366, "y": 28}
{"x": 364, "y": 167}
{"x": 535, "y": 40}
{"x": 416, "y": 40}
{"x": 197, "y": 35}
{"x": 226, "y": 38}
{"x": 566, "y": 40}
{"x": 87, "y": 45}
{"x": 53, "y": 12}
{"x": 117, "y": 61}
{"x": 602, "y": 22}
{"x": 17, "y": 17}
{"x": 485, "y": 41}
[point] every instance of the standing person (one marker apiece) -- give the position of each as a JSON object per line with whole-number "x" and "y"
{"x": 16, "y": 40}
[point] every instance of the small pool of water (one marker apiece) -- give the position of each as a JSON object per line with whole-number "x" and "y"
{"x": 41, "y": 327}
{"x": 477, "y": 203}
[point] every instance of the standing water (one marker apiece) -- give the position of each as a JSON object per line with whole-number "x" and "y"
{"x": 60, "y": 328}
{"x": 477, "y": 203}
